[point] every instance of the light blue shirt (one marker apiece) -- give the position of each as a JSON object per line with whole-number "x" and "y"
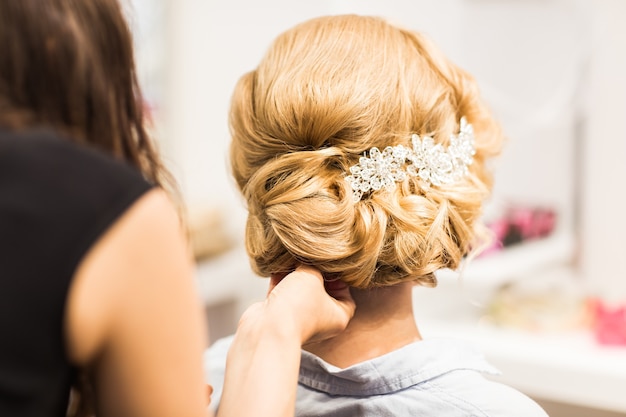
{"x": 432, "y": 377}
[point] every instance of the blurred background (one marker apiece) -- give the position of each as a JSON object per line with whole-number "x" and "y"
{"x": 547, "y": 303}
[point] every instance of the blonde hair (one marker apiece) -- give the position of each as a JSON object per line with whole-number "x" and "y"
{"x": 326, "y": 91}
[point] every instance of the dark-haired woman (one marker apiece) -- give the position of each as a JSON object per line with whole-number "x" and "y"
{"x": 96, "y": 285}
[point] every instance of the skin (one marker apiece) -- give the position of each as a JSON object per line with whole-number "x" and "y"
{"x": 135, "y": 322}
{"x": 265, "y": 353}
{"x": 383, "y": 322}
{"x": 134, "y": 319}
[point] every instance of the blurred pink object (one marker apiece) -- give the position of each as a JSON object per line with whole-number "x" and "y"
{"x": 609, "y": 323}
{"x": 519, "y": 224}
{"x": 499, "y": 229}
{"x": 532, "y": 222}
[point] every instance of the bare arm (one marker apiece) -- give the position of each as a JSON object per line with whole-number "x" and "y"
{"x": 135, "y": 320}
{"x": 263, "y": 361}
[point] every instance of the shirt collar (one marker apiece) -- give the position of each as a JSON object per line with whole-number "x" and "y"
{"x": 410, "y": 365}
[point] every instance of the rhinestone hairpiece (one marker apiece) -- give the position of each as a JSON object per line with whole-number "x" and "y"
{"x": 428, "y": 161}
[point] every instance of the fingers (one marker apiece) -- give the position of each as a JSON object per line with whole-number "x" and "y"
{"x": 310, "y": 270}
{"x": 275, "y": 280}
{"x": 337, "y": 289}
{"x": 322, "y": 308}
{"x": 340, "y": 291}
{"x": 277, "y": 277}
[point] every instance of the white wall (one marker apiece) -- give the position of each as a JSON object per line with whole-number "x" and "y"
{"x": 603, "y": 179}
{"x": 530, "y": 57}
{"x": 214, "y": 43}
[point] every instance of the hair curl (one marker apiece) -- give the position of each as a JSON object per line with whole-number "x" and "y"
{"x": 326, "y": 91}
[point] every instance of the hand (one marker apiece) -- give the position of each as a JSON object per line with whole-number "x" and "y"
{"x": 320, "y": 309}
{"x": 264, "y": 358}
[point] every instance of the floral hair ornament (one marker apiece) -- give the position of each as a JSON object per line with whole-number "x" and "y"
{"x": 428, "y": 161}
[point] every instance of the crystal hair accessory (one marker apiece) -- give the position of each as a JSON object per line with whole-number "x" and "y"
{"x": 428, "y": 161}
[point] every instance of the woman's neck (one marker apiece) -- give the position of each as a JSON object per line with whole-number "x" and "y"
{"x": 383, "y": 322}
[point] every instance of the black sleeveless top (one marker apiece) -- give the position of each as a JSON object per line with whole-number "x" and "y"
{"x": 56, "y": 199}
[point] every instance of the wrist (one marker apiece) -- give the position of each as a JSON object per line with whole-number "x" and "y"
{"x": 269, "y": 322}
{"x": 262, "y": 365}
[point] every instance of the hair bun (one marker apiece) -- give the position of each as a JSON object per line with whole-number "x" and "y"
{"x": 327, "y": 91}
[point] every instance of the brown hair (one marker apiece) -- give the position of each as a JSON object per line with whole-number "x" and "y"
{"x": 68, "y": 65}
{"x": 327, "y": 91}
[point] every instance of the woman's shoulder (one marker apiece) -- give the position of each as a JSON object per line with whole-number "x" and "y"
{"x": 435, "y": 374}
{"x": 45, "y": 154}
{"x": 59, "y": 197}
{"x": 57, "y": 179}
{"x": 492, "y": 398}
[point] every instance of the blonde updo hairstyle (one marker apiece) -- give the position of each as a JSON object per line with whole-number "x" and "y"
{"x": 327, "y": 91}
